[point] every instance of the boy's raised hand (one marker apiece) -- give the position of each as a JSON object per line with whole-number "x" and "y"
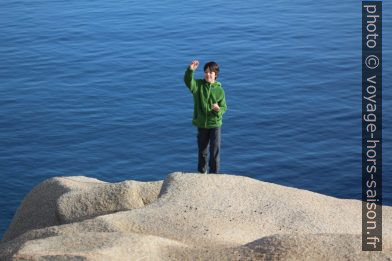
{"x": 194, "y": 64}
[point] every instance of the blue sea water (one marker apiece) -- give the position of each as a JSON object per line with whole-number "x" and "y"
{"x": 95, "y": 88}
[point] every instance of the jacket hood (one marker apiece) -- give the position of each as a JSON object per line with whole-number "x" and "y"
{"x": 215, "y": 84}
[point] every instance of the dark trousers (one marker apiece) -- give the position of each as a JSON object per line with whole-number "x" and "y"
{"x": 211, "y": 138}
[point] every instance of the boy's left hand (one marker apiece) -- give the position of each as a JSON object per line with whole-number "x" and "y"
{"x": 215, "y": 107}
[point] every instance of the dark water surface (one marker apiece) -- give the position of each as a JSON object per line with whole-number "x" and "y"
{"x": 95, "y": 88}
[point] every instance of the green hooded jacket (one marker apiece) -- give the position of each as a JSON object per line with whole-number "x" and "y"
{"x": 205, "y": 94}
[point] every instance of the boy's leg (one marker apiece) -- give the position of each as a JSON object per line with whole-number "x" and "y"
{"x": 215, "y": 141}
{"x": 203, "y": 138}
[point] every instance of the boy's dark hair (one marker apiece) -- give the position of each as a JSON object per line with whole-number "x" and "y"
{"x": 213, "y": 67}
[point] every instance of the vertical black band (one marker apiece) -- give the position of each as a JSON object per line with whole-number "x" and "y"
{"x": 371, "y": 126}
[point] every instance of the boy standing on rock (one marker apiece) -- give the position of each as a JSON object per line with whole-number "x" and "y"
{"x": 209, "y": 107}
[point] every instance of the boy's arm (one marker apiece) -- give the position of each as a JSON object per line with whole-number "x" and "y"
{"x": 189, "y": 80}
{"x": 222, "y": 105}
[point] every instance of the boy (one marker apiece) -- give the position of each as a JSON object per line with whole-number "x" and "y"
{"x": 209, "y": 107}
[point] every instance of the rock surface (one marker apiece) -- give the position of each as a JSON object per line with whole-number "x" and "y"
{"x": 186, "y": 217}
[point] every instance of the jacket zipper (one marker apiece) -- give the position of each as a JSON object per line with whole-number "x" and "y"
{"x": 208, "y": 96}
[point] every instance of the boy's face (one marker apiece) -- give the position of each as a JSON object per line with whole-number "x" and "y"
{"x": 209, "y": 76}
